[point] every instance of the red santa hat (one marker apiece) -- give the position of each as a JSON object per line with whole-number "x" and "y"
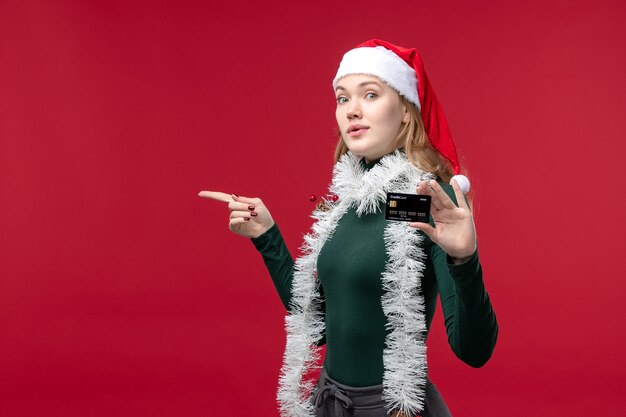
{"x": 403, "y": 70}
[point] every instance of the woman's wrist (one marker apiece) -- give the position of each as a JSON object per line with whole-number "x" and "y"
{"x": 459, "y": 261}
{"x": 265, "y": 230}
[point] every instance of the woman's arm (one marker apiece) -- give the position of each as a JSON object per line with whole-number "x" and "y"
{"x": 469, "y": 317}
{"x": 278, "y": 261}
{"x": 280, "y": 265}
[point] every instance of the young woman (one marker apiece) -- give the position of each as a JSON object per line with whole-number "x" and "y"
{"x": 366, "y": 286}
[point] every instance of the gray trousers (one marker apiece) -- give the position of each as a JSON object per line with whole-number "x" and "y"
{"x": 332, "y": 399}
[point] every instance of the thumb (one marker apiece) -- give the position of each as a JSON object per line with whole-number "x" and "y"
{"x": 424, "y": 227}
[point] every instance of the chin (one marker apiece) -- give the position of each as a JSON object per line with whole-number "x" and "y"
{"x": 361, "y": 151}
{"x": 358, "y": 149}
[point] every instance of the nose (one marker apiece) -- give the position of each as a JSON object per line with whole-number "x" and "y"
{"x": 354, "y": 111}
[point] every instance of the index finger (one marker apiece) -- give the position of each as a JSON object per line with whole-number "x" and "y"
{"x": 444, "y": 198}
{"x": 216, "y": 195}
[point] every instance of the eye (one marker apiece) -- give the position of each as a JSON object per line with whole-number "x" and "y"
{"x": 339, "y": 100}
{"x": 370, "y": 93}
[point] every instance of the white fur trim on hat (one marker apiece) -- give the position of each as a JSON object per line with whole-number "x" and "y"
{"x": 463, "y": 182}
{"x": 384, "y": 64}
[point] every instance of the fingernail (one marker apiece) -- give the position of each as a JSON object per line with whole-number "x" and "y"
{"x": 246, "y": 218}
{"x": 253, "y": 214}
{"x": 235, "y": 195}
{"x": 251, "y": 208}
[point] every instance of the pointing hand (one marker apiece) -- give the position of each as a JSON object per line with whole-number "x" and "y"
{"x": 249, "y": 217}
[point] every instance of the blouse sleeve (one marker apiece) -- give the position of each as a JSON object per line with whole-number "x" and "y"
{"x": 278, "y": 261}
{"x": 280, "y": 265}
{"x": 469, "y": 317}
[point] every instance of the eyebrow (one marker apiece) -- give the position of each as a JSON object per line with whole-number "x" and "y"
{"x": 361, "y": 85}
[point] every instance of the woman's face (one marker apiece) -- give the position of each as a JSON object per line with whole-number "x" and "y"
{"x": 366, "y": 101}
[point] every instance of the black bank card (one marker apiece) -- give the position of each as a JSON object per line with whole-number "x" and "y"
{"x": 407, "y": 207}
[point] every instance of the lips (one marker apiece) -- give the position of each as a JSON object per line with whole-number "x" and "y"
{"x": 356, "y": 127}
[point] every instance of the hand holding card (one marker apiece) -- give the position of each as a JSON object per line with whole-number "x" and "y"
{"x": 454, "y": 229}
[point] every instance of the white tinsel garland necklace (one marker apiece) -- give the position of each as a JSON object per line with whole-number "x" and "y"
{"x": 404, "y": 357}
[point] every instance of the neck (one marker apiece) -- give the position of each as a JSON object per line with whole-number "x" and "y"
{"x": 369, "y": 160}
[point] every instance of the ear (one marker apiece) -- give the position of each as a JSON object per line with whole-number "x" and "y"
{"x": 407, "y": 116}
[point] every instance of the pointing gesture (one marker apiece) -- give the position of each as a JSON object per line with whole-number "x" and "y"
{"x": 248, "y": 216}
{"x": 454, "y": 232}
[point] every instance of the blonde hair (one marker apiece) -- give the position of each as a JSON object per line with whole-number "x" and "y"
{"x": 412, "y": 138}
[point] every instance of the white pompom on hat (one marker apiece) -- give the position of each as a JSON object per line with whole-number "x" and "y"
{"x": 463, "y": 182}
{"x": 403, "y": 70}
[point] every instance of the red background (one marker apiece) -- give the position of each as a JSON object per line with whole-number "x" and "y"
{"x": 122, "y": 293}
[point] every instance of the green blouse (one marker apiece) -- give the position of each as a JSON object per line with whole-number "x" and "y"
{"x": 349, "y": 268}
